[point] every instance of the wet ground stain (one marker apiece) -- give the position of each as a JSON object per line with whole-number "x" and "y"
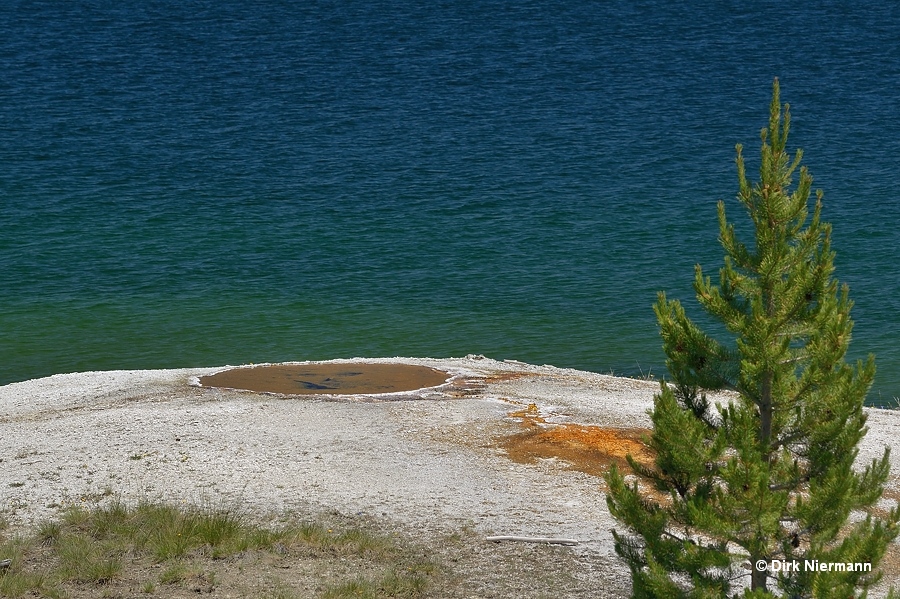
{"x": 476, "y": 386}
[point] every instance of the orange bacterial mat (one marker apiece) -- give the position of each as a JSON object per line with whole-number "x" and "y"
{"x": 590, "y": 449}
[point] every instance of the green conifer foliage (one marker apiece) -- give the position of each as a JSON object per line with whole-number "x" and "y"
{"x": 769, "y": 475}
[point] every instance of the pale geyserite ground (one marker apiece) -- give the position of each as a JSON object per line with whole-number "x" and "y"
{"x": 428, "y": 462}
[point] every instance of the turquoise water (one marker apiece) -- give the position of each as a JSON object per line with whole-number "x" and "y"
{"x": 201, "y": 183}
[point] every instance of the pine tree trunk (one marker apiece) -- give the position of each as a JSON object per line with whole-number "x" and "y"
{"x": 765, "y": 399}
{"x": 765, "y": 415}
{"x": 759, "y": 577}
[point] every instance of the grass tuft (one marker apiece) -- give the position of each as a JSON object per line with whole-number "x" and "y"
{"x": 360, "y": 542}
{"x": 281, "y": 591}
{"x": 81, "y": 559}
{"x": 49, "y": 532}
{"x": 17, "y": 584}
{"x": 358, "y": 588}
{"x": 75, "y": 516}
{"x": 398, "y": 583}
{"x": 175, "y": 574}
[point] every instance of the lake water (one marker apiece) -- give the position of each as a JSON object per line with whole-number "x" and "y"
{"x": 219, "y": 182}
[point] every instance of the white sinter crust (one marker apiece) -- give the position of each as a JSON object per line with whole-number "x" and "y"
{"x": 428, "y": 461}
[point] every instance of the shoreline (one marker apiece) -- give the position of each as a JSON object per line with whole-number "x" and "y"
{"x": 429, "y": 460}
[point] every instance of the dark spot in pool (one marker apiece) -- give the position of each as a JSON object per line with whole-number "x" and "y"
{"x": 311, "y": 385}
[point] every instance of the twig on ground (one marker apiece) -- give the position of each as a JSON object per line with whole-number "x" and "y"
{"x": 547, "y": 540}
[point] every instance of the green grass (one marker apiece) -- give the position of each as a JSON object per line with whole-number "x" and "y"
{"x": 82, "y": 559}
{"x": 167, "y": 532}
{"x": 395, "y": 583}
{"x": 17, "y": 584}
{"x": 174, "y": 574}
{"x": 147, "y": 544}
{"x": 281, "y": 592}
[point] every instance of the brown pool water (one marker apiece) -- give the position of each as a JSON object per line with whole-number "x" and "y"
{"x": 328, "y": 379}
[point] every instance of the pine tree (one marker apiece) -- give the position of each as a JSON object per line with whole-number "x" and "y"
{"x": 767, "y": 476}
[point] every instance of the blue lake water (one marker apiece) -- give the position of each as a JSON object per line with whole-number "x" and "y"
{"x": 209, "y": 182}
